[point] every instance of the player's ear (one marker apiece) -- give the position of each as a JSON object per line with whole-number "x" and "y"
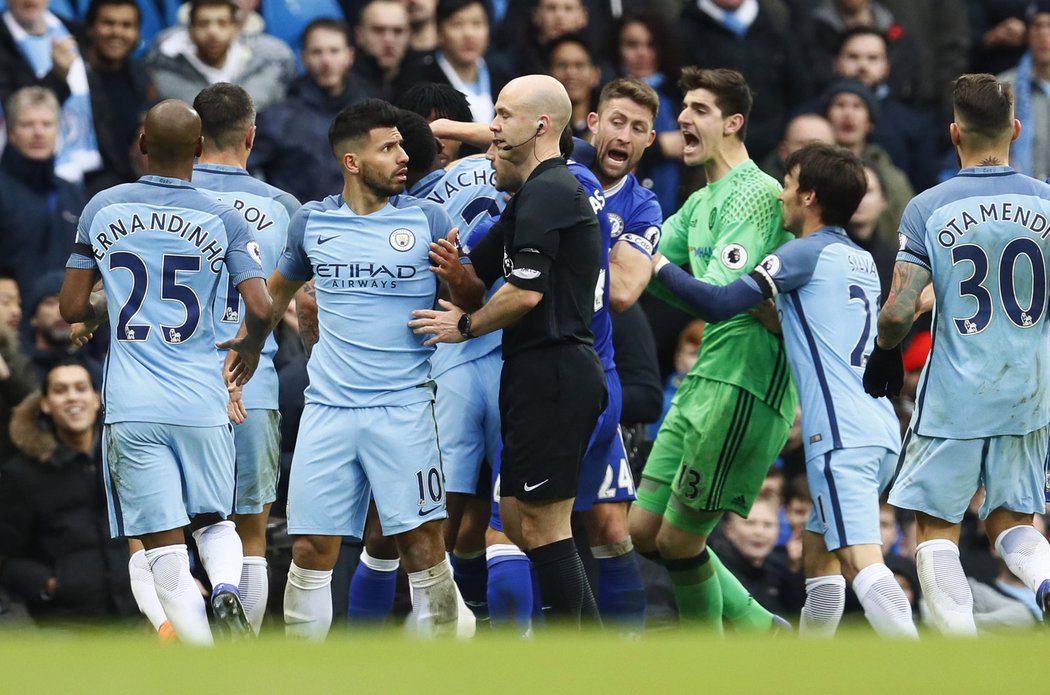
{"x": 1017, "y": 130}
{"x": 249, "y": 138}
{"x": 652, "y": 137}
{"x": 350, "y": 163}
{"x": 142, "y": 143}
{"x": 592, "y": 122}
{"x": 953, "y": 133}
{"x": 199, "y": 147}
{"x": 733, "y": 124}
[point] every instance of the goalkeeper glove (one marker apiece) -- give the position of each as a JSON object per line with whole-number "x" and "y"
{"x": 884, "y": 374}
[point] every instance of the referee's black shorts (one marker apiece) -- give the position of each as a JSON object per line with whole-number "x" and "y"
{"x": 549, "y": 401}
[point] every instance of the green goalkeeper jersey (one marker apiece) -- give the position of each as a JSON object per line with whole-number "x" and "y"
{"x": 723, "y": 231}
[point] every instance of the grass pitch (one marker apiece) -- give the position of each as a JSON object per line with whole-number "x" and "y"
{"x": 42, "y": 663}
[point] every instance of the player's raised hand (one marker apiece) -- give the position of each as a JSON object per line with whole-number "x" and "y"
{"x": 884, "y": 375}
{"x": 444, "y": 259}
{"x": 442, "y": 325}
{"x": 241, "y": 360}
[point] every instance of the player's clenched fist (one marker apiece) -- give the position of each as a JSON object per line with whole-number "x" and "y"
{"x": 884, "y": 374}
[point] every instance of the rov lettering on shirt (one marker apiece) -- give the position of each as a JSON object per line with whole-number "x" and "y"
{"x": 160, "y": 222}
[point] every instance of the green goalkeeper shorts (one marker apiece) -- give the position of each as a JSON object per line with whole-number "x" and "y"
{"x": 711, "y": 454}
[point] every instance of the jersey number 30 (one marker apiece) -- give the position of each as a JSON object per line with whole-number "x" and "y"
{"x": 170, "y": 289}
{"x": 974, "y": 287}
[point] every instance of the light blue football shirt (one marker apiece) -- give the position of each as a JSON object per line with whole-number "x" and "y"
{"x": 984, "y": 237}
{"x": 467, "y": 192}
{"x": 827, "y": 290}
{"x": 161, "y": 247}
{"x": 267, "y": 210}
{"x": 370, "y": 272}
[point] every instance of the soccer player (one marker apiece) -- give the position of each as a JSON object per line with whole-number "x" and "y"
{"x": 228, "y": 125}
{"x": 983, "y": 408}
{"x": 160, "y": 247}
{"x": 733, "y": 412}
{"x": 827, "y": 291}
{"x": 368, "y": 426}
{"x": 551, "y": 240}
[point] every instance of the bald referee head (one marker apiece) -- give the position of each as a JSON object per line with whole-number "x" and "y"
{"x": 531, "y": 113}
{"x": 171, "y": 139}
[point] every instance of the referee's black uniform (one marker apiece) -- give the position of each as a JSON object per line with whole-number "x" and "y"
{"x": 552, "y": 388}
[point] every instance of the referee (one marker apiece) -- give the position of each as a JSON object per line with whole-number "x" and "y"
{"x": 547, "y": 247}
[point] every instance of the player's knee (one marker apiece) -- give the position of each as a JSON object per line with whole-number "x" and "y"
{"x": 378, "y": 545}
{"x": 316, "y": 552}
{"x": 607, "y": 524}
{"x": 673, "y": 543}
{"x": 643, "y": 527}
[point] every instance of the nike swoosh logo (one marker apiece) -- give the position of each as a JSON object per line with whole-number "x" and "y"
{"x": 424, "y": 512}
{"x": 530, "y": 488}
{"x": 322, "y": 240}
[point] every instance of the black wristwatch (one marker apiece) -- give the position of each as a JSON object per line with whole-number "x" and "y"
{"x": 464, "y": 326}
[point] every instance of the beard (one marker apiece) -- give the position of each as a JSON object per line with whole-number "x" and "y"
{"x": 381, "y": 184}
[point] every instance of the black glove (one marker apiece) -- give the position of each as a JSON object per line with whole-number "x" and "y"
{"x": 884, "y": 375}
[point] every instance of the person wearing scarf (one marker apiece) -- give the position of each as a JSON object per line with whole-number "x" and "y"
{"x": 1030, "y": 152}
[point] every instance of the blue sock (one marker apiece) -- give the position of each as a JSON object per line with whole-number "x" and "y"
{"x": 372, "y": 590}
{"x": 509, "y": 587}
{"x": 472, "y": 576}
{"x": 621, "y": 597}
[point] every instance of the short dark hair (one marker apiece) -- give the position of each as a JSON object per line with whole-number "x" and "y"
{"x": 435, "y": 99}
{"x": 327, "y": 24}
{"x": 984, "y": 106}
{"x": 226, "y": 112}
{"x": 358, "y": 120}
{"x": 862, "y": 30}
{"x": 418, "y": 142}
{"x": 196, "y": 5}
{"x": 578, "y": 39}
{"x": 566, "y": 142}
{"x": 8, "y": 273}
{"x": 834, "y": 174}
{"x": 732, "y": 93}
{"x": 69, "y": 361}
{"x": 447, "y": 8}
{"x": 96, "y": 5}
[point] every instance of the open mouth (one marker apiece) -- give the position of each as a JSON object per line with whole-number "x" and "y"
{"x": 691, "y": 141}
{"x": 617, "y": 156}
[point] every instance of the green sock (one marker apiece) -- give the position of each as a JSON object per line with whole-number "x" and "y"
{"x": 739, "y": 607}
{"x": 697, "y": 592}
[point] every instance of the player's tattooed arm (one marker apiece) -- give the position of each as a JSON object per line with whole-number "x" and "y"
{"x": 901, "y": 307}
{"x": 306, "y": 312}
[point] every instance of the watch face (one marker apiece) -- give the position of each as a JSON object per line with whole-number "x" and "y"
{"x": 464, "y": 325}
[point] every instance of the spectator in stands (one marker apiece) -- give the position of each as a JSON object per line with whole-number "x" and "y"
{"x": 184, "y": 61}
{"x": 747, "y": 552}
{"x": 292, "y": 136}
{"x": 745, "y": 36}
{"x": 571, "y": 62}
{"x": 384, "y": 62}
{"x": 802, "y": 130}
{"x": 998, "y": 34}
{"x": 54, "y": 535}
{"x": 1030, "y": 152}
{"x": 17, "y": 378}
{"x": 550, "y": 20}
{"x": 646, "y": 50}
{"x": 861, "y": 229}
{"x": 39, "y": 49}
{"x": 121, "y": 82}
{"x": 422, "y": 25}
{"x": 38, "y": 210}
{"x": 461, "y": 59}
{"x": 907, "y": 134}
{"x": 50, "y": 338}
{"x": 686, "y": 353}
{"x": 852, "y": 110}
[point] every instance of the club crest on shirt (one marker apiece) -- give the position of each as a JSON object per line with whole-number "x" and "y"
{"x": 734, "y": 256}
{"x": 402, "y": 239}
{"x": 616, "y": 222}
